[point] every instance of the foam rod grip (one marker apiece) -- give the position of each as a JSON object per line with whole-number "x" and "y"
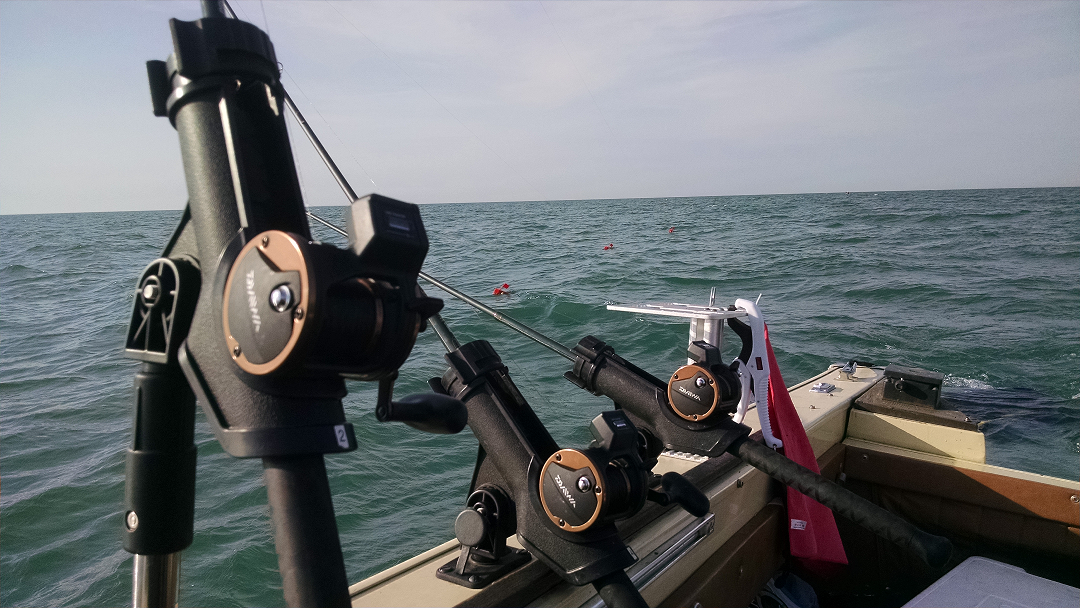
{"x": 934, "y": 550}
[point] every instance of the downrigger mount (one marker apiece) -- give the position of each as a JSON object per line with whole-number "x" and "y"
{"x": 561, "y": 502}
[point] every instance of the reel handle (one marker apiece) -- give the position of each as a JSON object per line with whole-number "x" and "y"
{"x": 436, "y": 413}
{"x": 428, "y": 412}
{"x": 678, "y": 490}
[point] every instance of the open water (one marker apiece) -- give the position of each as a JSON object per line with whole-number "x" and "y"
{"x": 982, "y": 285}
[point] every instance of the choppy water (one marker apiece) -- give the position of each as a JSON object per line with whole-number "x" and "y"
{"x": 981, "y": 285}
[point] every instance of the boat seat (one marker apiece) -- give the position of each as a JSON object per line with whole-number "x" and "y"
{"x": 979, "y": 581}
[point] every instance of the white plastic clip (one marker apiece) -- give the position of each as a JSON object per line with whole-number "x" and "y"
{"x": 759, "y": 370}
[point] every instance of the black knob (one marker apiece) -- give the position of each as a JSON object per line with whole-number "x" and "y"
{"x": 470, "y": 527}
{"x": 681, "y": 492}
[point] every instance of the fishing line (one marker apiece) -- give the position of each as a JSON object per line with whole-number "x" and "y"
{"x": 326, "y": 122}
{"x": 436, "y": 100}
{"x": 265, "y": 22}
{"x": 311, "y": 134}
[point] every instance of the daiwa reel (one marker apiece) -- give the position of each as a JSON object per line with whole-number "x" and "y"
{"x": 292, "y": 304}
{"x": 705, "y": 388}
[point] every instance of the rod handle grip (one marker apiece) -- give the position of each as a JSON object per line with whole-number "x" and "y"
{"x": 934, "y": 550}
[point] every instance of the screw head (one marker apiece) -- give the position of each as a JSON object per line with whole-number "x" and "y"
{"x": 281, "y": 298}
{"x": 131, "y": 521}
{"x": 298, "y": 313}
{"x": 1075, "y": 499}
{"x": 700, "y": 382}
{"x": 151, "y": 292}
{"x": 236, "y": 351}
{"x": 265, "y": 241}
{"x": 584, "y": 484}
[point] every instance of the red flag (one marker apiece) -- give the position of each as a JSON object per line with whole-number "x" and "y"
{"x": 811, "y": 527}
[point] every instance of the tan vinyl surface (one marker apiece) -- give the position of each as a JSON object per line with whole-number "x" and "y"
{"x": 917, "y": 436}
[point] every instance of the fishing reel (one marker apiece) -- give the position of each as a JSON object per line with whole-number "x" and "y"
{"x": 706, "y": 390}
{"x": 293, "y": 306}
{"x": 605, "y": 482}
{"x": 610, "y": 479}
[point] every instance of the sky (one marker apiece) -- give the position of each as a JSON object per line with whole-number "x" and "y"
{"x": 456, "y": 101}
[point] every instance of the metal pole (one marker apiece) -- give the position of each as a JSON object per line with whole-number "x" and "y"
{"x": 156, "y": 580}
{"x": 323, "y": 154}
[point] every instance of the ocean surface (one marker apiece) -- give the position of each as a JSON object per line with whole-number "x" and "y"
{"x": 982, "y": 285}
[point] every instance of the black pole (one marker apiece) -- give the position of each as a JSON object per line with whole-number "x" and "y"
{"x": 159, "y": 492}
{"x": 212, "y": 8}
{"x": 618, "y": 592}
{"x": 305, "y": 531}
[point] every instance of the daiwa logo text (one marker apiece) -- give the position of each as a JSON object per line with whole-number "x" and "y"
{"x": 689, "y": 394}
{"x": 253, "y": 301}
{"x": 565, "y": 492}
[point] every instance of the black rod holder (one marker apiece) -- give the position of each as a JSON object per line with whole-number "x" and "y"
{"x": 159, "y": 490}
{"x": 282, "y": 320}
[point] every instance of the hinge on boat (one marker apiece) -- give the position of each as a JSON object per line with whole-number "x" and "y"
{"x": 482, "y": 529}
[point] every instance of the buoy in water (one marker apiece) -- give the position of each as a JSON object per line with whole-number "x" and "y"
{"x": 670, "y": 230}
{"x": 609, "y": 246}
{"x": 501, "y": 290}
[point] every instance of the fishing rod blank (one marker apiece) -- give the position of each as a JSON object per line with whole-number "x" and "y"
{"x": 501, "y": 318}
